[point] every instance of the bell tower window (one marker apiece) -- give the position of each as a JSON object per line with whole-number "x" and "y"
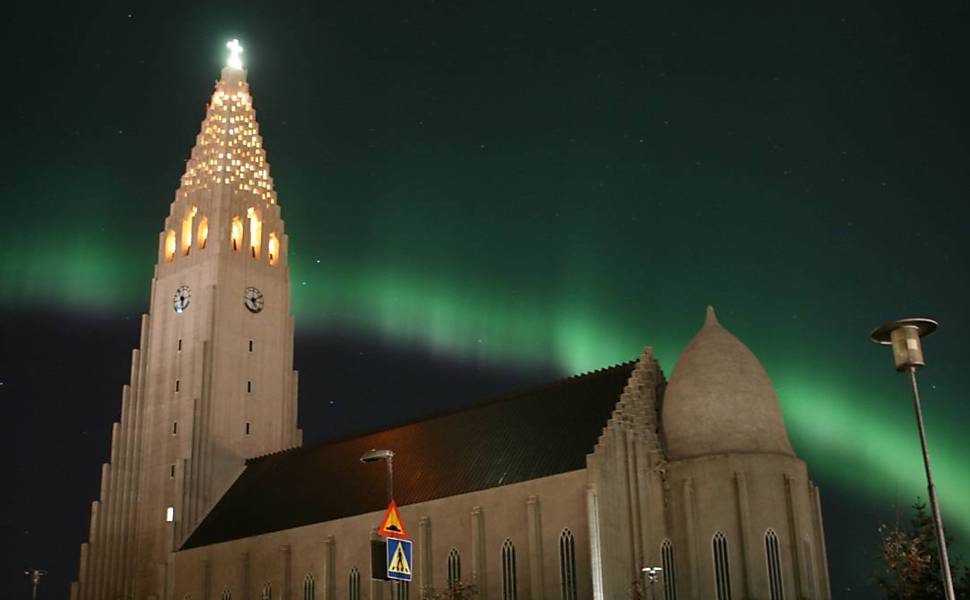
{"x": 236, "y": 233}
{"x": 274, "y": 249}
{"x": 187, "y": 230}
{"x": 203, "y": 232}
{"x": 255, "y": 231}
{"x": 170, "y": 246}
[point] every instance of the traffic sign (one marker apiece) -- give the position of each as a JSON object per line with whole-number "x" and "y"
{"x": 399, "y": 559}
{"x": 392, "y": 525}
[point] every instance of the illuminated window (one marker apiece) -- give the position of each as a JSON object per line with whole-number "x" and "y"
{"x": 236, "y": 233}
{"x": 187, "y": 230}
{"x": 203, "y": 231}
{"x": 226, "y": 594}
{"x": 669, "y": 574}
{"x": 169, "y": 514}
{"x": 170, "y": 245}
{"x": 267, "y": 592}
{"x": 255, "y": 231}
{"x": 274, "y": 249}
{"x": 722, "y": 568}
{"x": 773, "y": 555}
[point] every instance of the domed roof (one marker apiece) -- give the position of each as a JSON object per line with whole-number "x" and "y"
{"x": 720, "y": 400}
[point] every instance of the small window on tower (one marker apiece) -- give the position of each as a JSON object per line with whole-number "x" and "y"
{"x": 237, "y": 233}
{"x": 180, "y": 344}
{"x": 171, "y": 471}
{"x": 175, "y": 427}
{"x": 203, "y": 231}
{"x": 250, "y": 345}
{"x": 169, "y": 514}
{"x": 170, "y": 246}
{"x": 177, "y": 385}
{"x": 248, "y": 428}
{"x": 249, "y": 386}
{"x": 274, "y": 249}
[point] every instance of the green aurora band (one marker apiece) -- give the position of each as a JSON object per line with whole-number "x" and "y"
{"x": 859, "y": 436}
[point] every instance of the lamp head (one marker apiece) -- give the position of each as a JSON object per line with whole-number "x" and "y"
{"x": 904, "y": 336}
{"x": 374, "y": 455}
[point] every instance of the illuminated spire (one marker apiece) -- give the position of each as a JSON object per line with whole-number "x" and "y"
{"x": 229, "y": 150}
{"x": 235, "y": 54}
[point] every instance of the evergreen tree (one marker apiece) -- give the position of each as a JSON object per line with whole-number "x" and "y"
{"x": 911, "y": 561}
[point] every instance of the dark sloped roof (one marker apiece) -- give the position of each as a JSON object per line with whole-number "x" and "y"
{"x": 521, "y": 436}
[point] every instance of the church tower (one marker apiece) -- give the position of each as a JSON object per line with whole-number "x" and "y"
{"x": 212, "y": 382}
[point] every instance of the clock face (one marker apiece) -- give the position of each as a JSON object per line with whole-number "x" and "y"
{"x": 253, "y": 299}
{"x": 183, "y": 296}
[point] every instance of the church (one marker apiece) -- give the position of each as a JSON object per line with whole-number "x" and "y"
{"x": 613, "y": 484}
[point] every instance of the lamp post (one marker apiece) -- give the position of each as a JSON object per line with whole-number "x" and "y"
{"x": 653, "y": 576}
{"x": 904, "y": 337}
{"x": 35, "y": 575}
{"x": 374, "y": 455}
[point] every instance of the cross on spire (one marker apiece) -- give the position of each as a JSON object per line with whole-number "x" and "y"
{"x": 235, "y": 54}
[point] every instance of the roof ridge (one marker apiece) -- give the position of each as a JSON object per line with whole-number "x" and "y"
{"x": 487, "y": 401}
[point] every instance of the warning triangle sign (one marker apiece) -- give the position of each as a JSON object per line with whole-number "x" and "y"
{"x": 392, "y": 525}
{"x": 399, "y": 562}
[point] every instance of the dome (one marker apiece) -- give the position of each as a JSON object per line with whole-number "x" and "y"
{"x": 720, "y": 400}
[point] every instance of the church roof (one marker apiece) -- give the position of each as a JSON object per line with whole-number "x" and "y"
{"x": 517, "y": 437}
{"x": 720, "y": 400}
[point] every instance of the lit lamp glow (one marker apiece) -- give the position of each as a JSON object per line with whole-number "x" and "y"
{"x": 235, "y": 54}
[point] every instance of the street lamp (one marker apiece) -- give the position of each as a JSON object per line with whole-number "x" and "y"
{"x": 904, "y": 337}
{"x": 653, "y": 576}
{"x": 374, "y": 455}
{"x": 35, "y": 575}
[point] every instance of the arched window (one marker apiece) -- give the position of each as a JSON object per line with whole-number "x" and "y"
{"x": 236, "y": 233}
{"x": 454, "y": 567}
{"x": 203, "y": 232}
{"x": 267, "y": 592}
{"x": 308, "y": 591}
{"x": 669, "y": 573}
{"x": 353, "y": 586}
{"x": 226, "y": 594}
{"x": 567, "y": 565}
{"x": 509, "y": 591}
{"x": 274, "y": 248}
{"x": 776, "y": 590}
{"x": 722, "y": 568}
{"x": 255, "y": 232}
{"x": 170, "y": 245}
{"x": 187, "y": 230}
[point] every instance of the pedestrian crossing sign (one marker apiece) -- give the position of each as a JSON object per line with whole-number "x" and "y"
{"x": 399, "y": 559}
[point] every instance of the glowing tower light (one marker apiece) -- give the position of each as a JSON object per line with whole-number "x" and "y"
{"x": 235, "y": 54}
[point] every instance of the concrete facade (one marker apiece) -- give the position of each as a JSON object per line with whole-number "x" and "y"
{"x": 696, "y": 475}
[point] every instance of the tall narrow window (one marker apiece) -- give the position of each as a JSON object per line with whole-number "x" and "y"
{"x": 187, "y": 230}
{"x": 226, "y": 594}
{"x": 180, "y": 344}
{"x": 402, "y": 590}
{"x": 236, "y": 233}
{"x": 169, "y": 514}
{"x": 274, "y": 249}
{"x": 267, "y": 592}
{"x": 248, "y": 428}
{"x": 171, "y": 471}
{"x": 255, "y": 231}
{"x": 249, "y": 386}
{"x": 722, "y": 567}
{"x": 567, "y": 565}
{"x": 776, "y": 589}
{"x": 454, "y": 568}
{"x": 250, "y": 345}
{"x": 308, "y": 587}
{"x": 170, "y": 245}
{"x": 669, "y": 573}
{"x": 175, "y": 427}
{"x": 203, "y": 232}
{"x": 509, "y": 591}
{"x": 353, "y": 586}
{"x": 177, "y": 385}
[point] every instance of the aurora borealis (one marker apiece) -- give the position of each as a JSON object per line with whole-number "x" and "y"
{"x": 503, "y": 194}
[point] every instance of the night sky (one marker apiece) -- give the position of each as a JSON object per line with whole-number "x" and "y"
{"x": 485, "y": 196}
